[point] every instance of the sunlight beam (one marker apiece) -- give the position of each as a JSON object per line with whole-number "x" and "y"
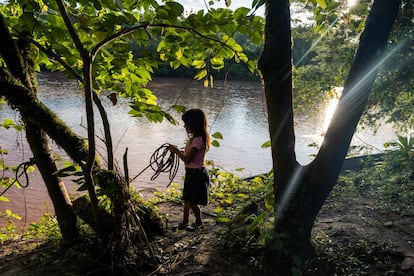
{"x": 292, "y": 186}
{"x": 316, "y": 42}
{"x": 353, "y": 99}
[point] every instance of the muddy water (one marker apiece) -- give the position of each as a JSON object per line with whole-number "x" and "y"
{"x": 236, "y": 109}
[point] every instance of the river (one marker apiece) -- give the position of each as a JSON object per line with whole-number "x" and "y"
{"x": 236, "y": 109}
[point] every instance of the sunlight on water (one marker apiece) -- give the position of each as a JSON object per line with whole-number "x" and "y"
{"x": 330, "y": 107}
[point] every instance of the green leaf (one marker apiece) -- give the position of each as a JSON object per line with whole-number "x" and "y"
{"x": 162, "y": 12}
{"x": 4, "y": 199}
{"x": 175, "y": 9}
{"x": 7, "y": 123}
{"x": 171, "y": 10}
{"x": 68, "y": 171}
{"x": 217, "y": 62}
{"x": 260, "y": 218}
{"x": 215, "y": 143}
{"x": 179, "y": 108}
{"x": 218, "y": 210}
{"x": 266, "y": 144}
{"x": 217, "y": 135}
{"x": 201, "y": 74}
{"x": 321, "y": 3}
{"x": 223, "y": 220}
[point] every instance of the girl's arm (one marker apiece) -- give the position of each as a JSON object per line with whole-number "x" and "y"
{"x": 187, "y": 158}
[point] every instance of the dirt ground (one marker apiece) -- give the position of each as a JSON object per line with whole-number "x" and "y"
{"x": 345, "y": 222}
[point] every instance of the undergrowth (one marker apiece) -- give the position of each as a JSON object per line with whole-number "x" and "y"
{"x": 390, "y": 180}
{"x": 246, "y": 204}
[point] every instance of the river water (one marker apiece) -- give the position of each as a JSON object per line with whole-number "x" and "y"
{"x": 236, "y": 109}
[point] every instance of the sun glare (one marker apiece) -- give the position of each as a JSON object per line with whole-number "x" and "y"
{"x": 352, "y": 3}
{"x": 331, "y": 106}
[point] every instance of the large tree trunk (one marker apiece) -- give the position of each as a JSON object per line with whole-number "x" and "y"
{"x": 300, "y": 191}
{"x": 276, "y": 65}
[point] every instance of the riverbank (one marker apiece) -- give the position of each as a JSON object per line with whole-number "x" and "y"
{"x": 351, "y": 237}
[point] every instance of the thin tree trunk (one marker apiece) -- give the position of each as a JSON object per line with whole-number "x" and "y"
{"x": 87, "y": 73}
{"x": 57, "y": 191}
{"x": 107, "y": 132}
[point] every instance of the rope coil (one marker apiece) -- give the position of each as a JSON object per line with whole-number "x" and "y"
{"x": 23, "y": 168}
{"x": 162, "y": 162}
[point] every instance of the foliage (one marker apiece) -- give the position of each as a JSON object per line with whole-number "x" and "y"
{"x": 390, "y": 181}
{"x": 47, "y": 227}
{"x": 10, "y": 230}
{"x": 105, "y": 44}
{"x": 129, "y": 39}
{"x": 128, "y": 74}
{"x": 10, "y": 123}
{"x": 231, "y": 70}
{"x": 393, "y": 93}
{"x": 231, "y": 192}
{"x": 228, "y": 191}
{"x": 317, "y": 73}
{"x": 173, "y": 194}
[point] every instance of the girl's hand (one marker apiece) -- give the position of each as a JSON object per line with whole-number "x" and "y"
{"x": 173, "y": 149}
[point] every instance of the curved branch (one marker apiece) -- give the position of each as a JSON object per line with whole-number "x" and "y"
{"x": 130, "y": 30}
{"x": 87, "y": 71}
{"x": 69, "y": 26}
{"x": 58, "y": 59}
{"x": 36, "y": 112}
{"x": 97, "y": 101}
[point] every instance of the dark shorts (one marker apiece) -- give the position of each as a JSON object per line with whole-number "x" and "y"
{"x": 196, "y": 184}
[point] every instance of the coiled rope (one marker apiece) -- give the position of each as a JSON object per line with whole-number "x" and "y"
{"x": 21, "y": 169}
{"x": 162, "y": 162}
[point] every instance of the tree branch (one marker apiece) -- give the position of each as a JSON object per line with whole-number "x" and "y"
{"x": 69, "y": 26}
{"x": 130, "y": 30}
{"x": 53, "y": 54}
{"x": 31, "y": 107}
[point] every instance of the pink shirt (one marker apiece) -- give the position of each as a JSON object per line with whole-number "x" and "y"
{"x": 198, "y": 160}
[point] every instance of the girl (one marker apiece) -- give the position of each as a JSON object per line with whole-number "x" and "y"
{"x": 196, "y": 176}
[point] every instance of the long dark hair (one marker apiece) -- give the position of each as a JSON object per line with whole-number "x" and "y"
{"x": 196, "y": 120}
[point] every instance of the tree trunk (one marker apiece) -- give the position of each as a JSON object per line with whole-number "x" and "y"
{"x": 276, "y": 65}
{"x": 19, "y": 72}
{"x": 300, "y": 191}
{"x": 55, "y": 187}
{"x": 370, "y": 55}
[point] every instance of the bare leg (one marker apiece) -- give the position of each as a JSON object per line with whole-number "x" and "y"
{"x": 186, "y": 212}
{"x": 197, "y": 213}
